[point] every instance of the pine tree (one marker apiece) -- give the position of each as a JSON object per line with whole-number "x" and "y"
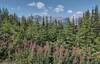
{"x": 43, "y": 21}
{"x": 83, "y": 33}
{"x": 96, "y": 26}
{"x": 69, "y": 35}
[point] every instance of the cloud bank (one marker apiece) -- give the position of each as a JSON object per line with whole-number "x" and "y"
{"x": 59, "y": 8}
{"x": 39, "y": 5}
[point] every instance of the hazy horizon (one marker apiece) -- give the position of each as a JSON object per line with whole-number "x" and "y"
{"x": 48, "y": 7}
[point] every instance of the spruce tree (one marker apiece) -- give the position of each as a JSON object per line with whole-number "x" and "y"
{"x": 83, "y": 33}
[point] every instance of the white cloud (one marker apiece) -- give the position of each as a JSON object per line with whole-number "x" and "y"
{"x": 59, "y": 8}
{"x": 32, "y": 4}
{"x": 39, "y": 5}
{"x": 77, "y": 14}
{"x": 69, "y": 11}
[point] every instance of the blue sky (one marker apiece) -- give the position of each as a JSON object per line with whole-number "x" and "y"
{"x": 48, "y": 7}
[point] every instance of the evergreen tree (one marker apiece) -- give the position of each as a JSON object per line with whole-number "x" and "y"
{"x": 83, "y": 33}
{"x": 70, "y": 37}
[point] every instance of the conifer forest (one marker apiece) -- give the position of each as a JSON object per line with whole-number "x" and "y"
{"x": 30, "y": 40}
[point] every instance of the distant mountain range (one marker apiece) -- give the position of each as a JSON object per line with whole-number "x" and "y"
{"x": 40, "y": 18}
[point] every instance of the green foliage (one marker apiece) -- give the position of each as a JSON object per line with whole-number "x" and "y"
{"x": 82, "y": 33}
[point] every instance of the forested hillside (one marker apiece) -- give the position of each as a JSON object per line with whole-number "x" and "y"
{"x": 25, "y": 40}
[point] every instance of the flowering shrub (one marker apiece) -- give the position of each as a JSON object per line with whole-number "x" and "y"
{"x": 32, "y": 53}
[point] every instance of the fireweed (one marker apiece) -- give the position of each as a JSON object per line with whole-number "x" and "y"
{"x": 32, "y": 53}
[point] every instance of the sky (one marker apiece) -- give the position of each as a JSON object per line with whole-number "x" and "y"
{"x": 48, "y": 7}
